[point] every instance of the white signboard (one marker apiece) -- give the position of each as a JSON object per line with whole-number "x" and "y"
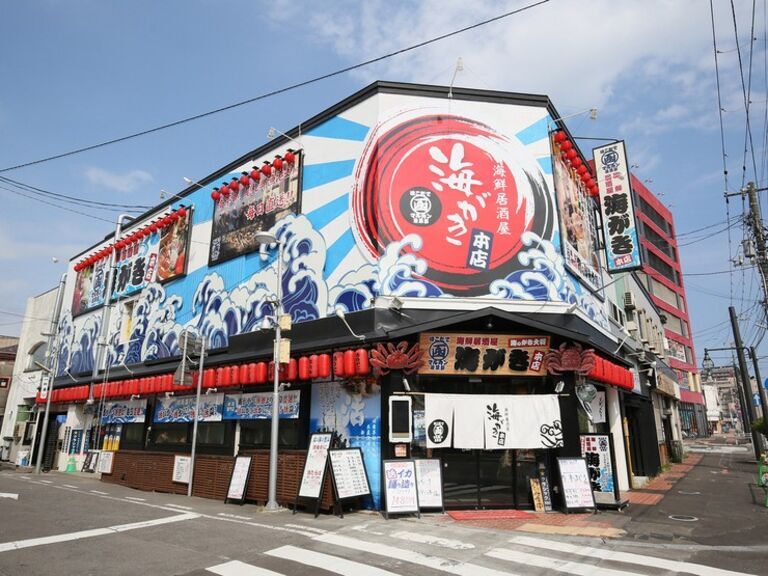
{"x": 45, "y": 382}
{"x": 400, "y": 490}
{"x": 105, "y": 462}
{"x": 349, "y": 473}
{"x": 239, "y": 480}
{"x": 181, "y": 468}
{"x": 314, "y": 467}
{"x": 429, "y": 481}
{"x": 574, "y": 478}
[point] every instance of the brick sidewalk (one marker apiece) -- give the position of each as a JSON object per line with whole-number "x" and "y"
{"x": 587, "y": 524}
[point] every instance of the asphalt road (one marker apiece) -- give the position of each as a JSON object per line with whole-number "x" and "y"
{"x": 68, "y": 524}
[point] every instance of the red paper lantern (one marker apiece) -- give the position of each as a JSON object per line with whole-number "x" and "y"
{"x": 560, "y": 136}
{"x": 222, "y": 376}
{"x": 215, "y": 194}
{"x": 255, "y": 175}
{"x": 242, "y": 378}
{"x": 266, "y": 169}
{"x": 338, "y": 364}
{"x": 175, "y": 216}
{"x": 582, "y": 170}
{"x": 577, "y": 163}
{"x": 234, "y": 375}
{"x": 314, "y": 368}
{"x": 362, "y": 363}
{"x": 278, "y": 163}
{"x": 224, "y": 189}
{"x": 292, "y": 370}
{"x": 209, "y": 378}
{"x": 349, "y": 362}
{"x": 566, "y": 145}
{"x": 571, "y": 154}
{"x": 234, "y": 186}
{"x": 261, "y": 372}
{"x": 324, "y": 366}
{"x": 290, "y": 157}
{"x": 303, "y": 368}
{"x": 182, "y": 212}
{"x": 245, "y": 181}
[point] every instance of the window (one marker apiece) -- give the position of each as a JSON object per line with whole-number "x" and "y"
{"x": 256, "y": 433}
{"x": 663, "y": 293}
{"x": 173, "y": 434}
{"x": 211, "y": 433}
{"x": 660, "y": 266}
{"x": 212, "y": 437}
{"x": 37, "y": 353}
{"x": 653, "y": 215}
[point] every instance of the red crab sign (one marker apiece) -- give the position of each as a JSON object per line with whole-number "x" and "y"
{"x": 390, "y": 356}
{"x": 570, "y": 359}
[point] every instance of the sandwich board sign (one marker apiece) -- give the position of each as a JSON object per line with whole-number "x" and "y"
{"x": 400, "y": 493}
{"x": 429, "y": 483}
{"x": 313, "y": 476}
{"x": 238, "y": 482}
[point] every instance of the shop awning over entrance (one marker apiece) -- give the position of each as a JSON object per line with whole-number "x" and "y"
{"x": 690, "y": 397}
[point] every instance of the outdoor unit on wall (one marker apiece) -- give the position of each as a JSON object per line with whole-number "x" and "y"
{"x": 631, "y": 326}
{"x": 629, "y": 301}
{"x": 19, "y": 430}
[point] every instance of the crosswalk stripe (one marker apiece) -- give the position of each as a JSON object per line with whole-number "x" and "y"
{"x": 434, "y": 562}
{"x": 567, "y": 566}
{"x": 327, "y": 562}
{"x": 626, "y": 557}
{"x": 237, "y": 568}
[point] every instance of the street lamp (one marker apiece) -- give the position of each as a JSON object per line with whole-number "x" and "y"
{"x": 268, "y": 238}
{"x": 707, "y": 364}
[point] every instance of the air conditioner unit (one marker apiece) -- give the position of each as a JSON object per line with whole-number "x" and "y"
{"x": 631, "y": 326}
{"x": 19, "y": 430}
{"x": 641, "y": 357}
{"x": 629, "y": 301}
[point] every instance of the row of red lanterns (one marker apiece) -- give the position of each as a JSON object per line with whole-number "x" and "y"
{"x": 571, "y": 156}
{"x": 167, "y": 220}
{"x": 344, "y": 364}
{"x": 254, "y": 175}
{"x": 611, "y": 373}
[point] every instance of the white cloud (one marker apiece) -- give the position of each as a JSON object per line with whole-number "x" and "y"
{"x": 125, "y": 182}
{"x": 15, "y": 250}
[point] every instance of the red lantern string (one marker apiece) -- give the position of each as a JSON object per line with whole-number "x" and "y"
{"x": 582, "y": 170}
{"x": 224, "y": 190}
{"x": 182, "y": 212}
{"x": 577, "y": 163}
{"x": 560, "y": 136}
{"x": 266, "y": 169}
{"x": 278, "y": 162}
{"x": 215, "y": 194}
{"x": 290, "y": 156}
{"x": 571, "y": 154}
{"x": 255, "y": 175}
{"x": 566, "y": 145}
{"x": 245, "y": 180}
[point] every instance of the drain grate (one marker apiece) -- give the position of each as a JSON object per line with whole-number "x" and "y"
{"x": 683, "y": 518}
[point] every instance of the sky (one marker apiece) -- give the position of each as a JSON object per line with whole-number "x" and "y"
{"x": 79, "y": 72}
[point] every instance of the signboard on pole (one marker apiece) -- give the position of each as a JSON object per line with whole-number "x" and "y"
{"x": 181, "y": 469}
{"x": 45, "y": 384}
{"x": 622, "y": 247}
{"x": 400, "y": 492}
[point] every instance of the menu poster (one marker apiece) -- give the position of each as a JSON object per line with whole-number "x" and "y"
{"x": 400, "y": 492}
{"x": 314, "y": 466}
{"x": 105, "y": 462}
{"x": 545, "y": 491}
{"x": 239, "y": 479}
{"x": 575, "y": 482}
{"x": 181, "y": 469}
{"x": 349, "y": 475}
{"x": 429, "y": 482}
{"x": 596, "y": 450}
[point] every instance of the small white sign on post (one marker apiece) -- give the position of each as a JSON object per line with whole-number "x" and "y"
{"x": 105, "y": 462}
{"x": 45, "y": 383}
{"x": 181, "y": 469}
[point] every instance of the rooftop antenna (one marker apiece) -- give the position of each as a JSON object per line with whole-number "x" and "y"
{"x": 459, "y": 68}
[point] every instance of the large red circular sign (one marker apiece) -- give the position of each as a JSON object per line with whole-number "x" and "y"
{"x": 464, "y": 189}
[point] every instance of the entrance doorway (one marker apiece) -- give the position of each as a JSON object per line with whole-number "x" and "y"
{"x": 481, "y": 479}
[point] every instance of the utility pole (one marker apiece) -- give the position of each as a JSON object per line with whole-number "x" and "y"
{"x": 749, "y": 414}
{"x": 755, "y": 221}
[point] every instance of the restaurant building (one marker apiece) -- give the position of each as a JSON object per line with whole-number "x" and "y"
{"x": 444, "y": 247}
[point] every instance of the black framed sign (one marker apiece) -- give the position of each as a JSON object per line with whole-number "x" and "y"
{"x": 575, "y": 484}
{"x": 313, "y": 476}
{"x": 401, "y": 495}
{"x": 238, "y": 216}
{"x": 429, "y": 482}
{"x": 173, "y": 251}
{"x": 350, "y": 479}
{"x": 238, "y": 482}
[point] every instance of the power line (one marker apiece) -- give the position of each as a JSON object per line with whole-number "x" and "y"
{"x": 73, "y": 199}
{"x": 713, "y": 273}
{"x": 55, "y": 205}
{"x": 275, "y": 92}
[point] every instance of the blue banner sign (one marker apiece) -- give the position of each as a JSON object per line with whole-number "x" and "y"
{"x": 124, "y": 412}
{"x": 258, "y": 406}
{"x": 182, "y": 409}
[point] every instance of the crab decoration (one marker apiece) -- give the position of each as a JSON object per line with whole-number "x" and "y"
{"x": 570, "y": 359}
{"x": 389, "y": 356}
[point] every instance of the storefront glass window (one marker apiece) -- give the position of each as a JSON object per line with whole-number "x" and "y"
{"x": 255, "y": 433}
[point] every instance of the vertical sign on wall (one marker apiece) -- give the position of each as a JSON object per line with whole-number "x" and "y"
{"x": 622, "y": 249}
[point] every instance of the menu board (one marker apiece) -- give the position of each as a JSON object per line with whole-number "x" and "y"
{"x": 105, "y": 462}
{"x": 429, "y": 482}
{"x": 574, "y": 479}
{"x": 181, "y": 469}
{"x": 538, "y": 497}
{"x": 349, "y": 473}
{"x": 400, "y": 492}
{"x": 314, "y": 466}
{"x": 239, "y": 479}
{"x": 489, "y": 354}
